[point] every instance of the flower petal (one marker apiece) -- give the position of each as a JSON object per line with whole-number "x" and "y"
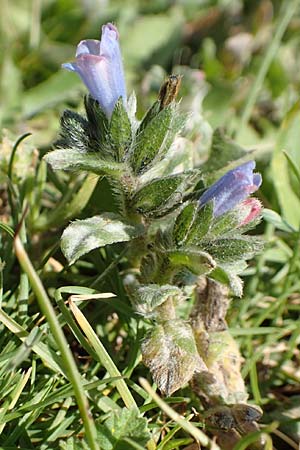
{"x": 95, "y": 73}
{"x": 230, "y": 198}
{"x": 231, "y": 189}
{"x": 110, "y": 48}
{"x": 88, "y": 46}
{"x": 257, "y": 179}
{"x": 72, "y": 67}
{"x": 110, "y": 41}
{"x": 251, "y": 209}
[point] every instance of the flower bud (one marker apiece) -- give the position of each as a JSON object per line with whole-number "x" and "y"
{"x": 250, "y": 209}
{"x": 231, "y": 189}
{"x": 99, "y": 65}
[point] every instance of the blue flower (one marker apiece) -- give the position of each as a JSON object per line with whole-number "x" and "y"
{"x": 231, "y": 189}
{"x": 99, "y": 65}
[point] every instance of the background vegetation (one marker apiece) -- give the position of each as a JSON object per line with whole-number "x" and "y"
{"x": 240, "y": 67}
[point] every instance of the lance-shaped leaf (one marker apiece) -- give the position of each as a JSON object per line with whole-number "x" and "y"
{"x": 150, "y": 140}
{"x": 177, "y": 124}
{"x": 184, "y": 222}
{"x": 148, "y": 297}
{"x": 233, "y": 249}
{"x": 192, "y": 224}
{"x": 193, "y": 259}
{"x": 150, "y": 114}
{"x": 167, "y": 161}
{"x": 120, "y": 133}
{"x": 73, "y": 160}
{"x": 159, "y": 196}
{"x": 83, "y": 236}
{"x": 74, "y": 132}
{"x": 227, "y": 223}
{"x": 169, "y": 350}
{"x": 178, "y": 158}
{"x": 201, "y": 224}
{"x": 97, "y": 121}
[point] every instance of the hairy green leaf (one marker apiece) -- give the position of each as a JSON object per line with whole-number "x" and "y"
{"x": 150, "y": 140}
{"x": 148, "y": 297}
{"x": 230, "y": 250}
{"x": 169, "y": 350}
{"x": 159, "y": 196}
{"x": 120, "y": 134}
{"x": 177, "y": 124}
{"x": 226, "y": 223}
{"x": 228, "y": 274}
{"x": 200, "y": 225}
{"x": 197, "y": 261}
{"x": 83, "y": 236}
{"x": 73, "y": 160}
{"x": 150, "y": 114}
{"x": 183, "y": 223}
{"x": 97, "y": 120}
{"x": 74, "y": 131}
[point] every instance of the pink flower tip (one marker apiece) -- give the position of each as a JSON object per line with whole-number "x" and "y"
{"x": 250, "y": 210}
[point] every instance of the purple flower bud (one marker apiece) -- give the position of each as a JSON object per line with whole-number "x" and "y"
{"x": 231, "y": 189}
{"x": 99, "y": 65}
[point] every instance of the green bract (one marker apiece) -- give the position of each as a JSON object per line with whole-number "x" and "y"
{"x": 159, "y": 196}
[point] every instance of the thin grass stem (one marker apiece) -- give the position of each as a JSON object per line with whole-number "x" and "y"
{"x": 184, "y": 424}
{"x": 104, "y": 357}
{"x": 70, "y": 366}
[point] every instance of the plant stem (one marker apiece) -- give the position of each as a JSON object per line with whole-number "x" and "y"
{"x": 290, "y": 9}
{"x": 11, "y": 188}
{"x": 70, "y": 366}
{"x": 166, "y": 311}
{"x": 24, "y": 282}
